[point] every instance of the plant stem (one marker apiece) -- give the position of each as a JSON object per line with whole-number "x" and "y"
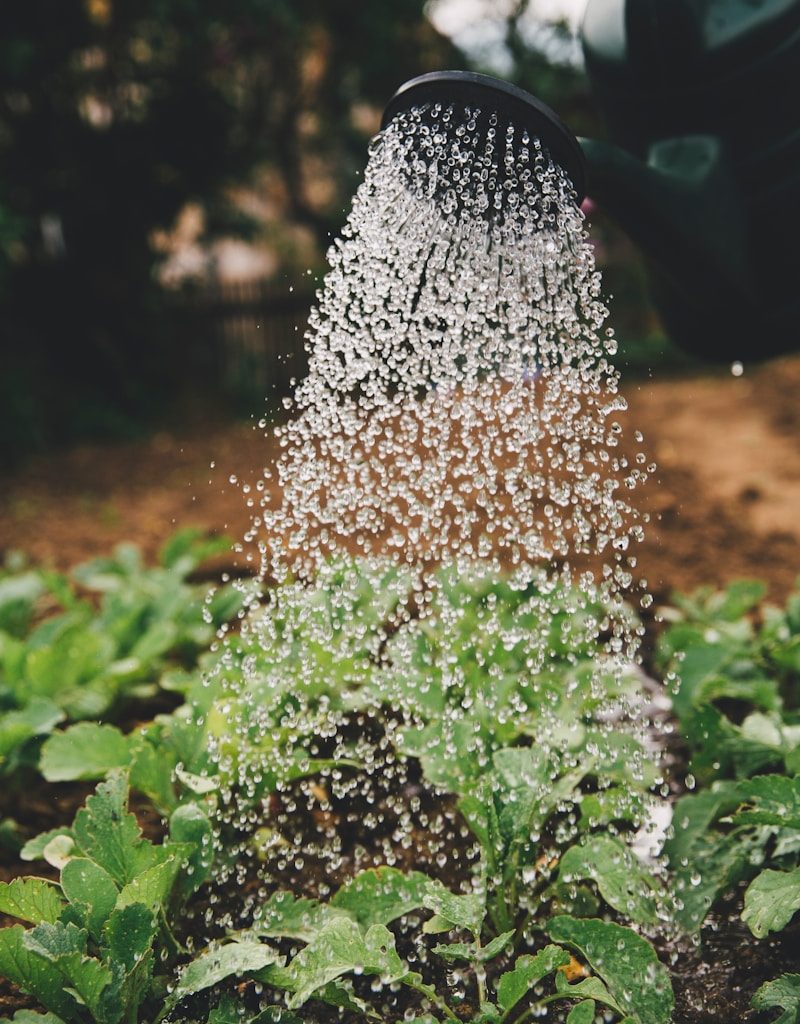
{"x": 430, "y": 993}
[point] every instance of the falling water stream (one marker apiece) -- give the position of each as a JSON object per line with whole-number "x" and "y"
{"x": 458, "y": 422}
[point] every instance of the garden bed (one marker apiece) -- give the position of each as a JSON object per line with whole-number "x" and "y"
{"x": 731, "y": 754}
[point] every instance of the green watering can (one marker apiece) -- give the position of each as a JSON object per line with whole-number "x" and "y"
{"x": 702, "y": 103}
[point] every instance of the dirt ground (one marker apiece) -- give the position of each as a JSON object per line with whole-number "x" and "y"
{"x": 724, "y": 502}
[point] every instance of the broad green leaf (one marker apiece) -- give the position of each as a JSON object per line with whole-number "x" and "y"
{"x": 582, "y": 1013}
{"x": 86, "y": 751}
{"x": 189, "y": 826}
{"x": 381, "y": 895}
{"x": 230, "y": 1011}
{"x": 625, "y": 961}
{"x": 461, "y": 911}
{"x": 35, "y": 975}
{"x": 587, "y": 988}
{"x": 109, "y": 834}
{"x": 617, "y": 873}
{"x": 128, "y": 935}
{"x": 213, "y": 966}
{"x": 31, "y": 899}
{"x": 472, "y": 952}
{"x": 457, "y": 951}
{"x": 151, "y": 770}
{"x": 496, "y": 946}
{"x": 783, "y": 993}
{"x": 39, "y": 717}
{"x": 65, "y": 947}
{"x": 284, "y": 915}
{"x": 91, "y": 889}
{"x": 339, "y": 948}
{"x": 128, "y": 939}
{"x": 705, "y": 861}
{"x": 771, "y": 901}
{"x": 527, "y": 972}
{"x": 31, "y": 1017}
{"x": 153, "y": 886}
{"x": 772, "y": 800}
{"x": 34, "y": 848}
{"x": 59, "y": 851}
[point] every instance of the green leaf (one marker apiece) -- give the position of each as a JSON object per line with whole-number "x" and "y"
{"x": 284, "y": 915}
{"x": 31, "y": 1017}
{"x": 65, "y": 947}
{"x": 381, "y": 895}
{"x": 86, "y": 751}
{"x": 582, "y": 1013}
{"x": 472, "y": 952}
{"x": 527, "y": 972}
{"x": 189, "y": 826}
{"x": 783, "y": 992}
{"x": 108, "y": 834}
{"x": 91, "y": 889}
{"x": 128, "y": 939}
{"x": 31, "y": 899}
{"x": 771, "y": 901}
{"x": 773, "y": 800}
{"x": 34, "y": 848}
{"x": 705, "y": 861}
{"x": 59, "y": 850}
{"x": 465, "y": 912}
{"x": 625, "y": 961}
{"x": 35, "y": 975}
{"x": 153, "y": 886}
{"x": 339, "y": 948}
{"x": 496, "y": 946}
{"x": 213, "y": 966}
{"x": 457, "y": 951}
{"x": 617, "y": 873}
{"x": 588, "y": 988}
{"x": 128, "y": 935}
{"x": 37, "y": 718}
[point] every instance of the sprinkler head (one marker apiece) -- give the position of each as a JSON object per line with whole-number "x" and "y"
{"x": 494, "y": 96}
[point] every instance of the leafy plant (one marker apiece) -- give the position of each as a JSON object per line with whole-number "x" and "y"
{"x": 738, "y": 680}
{"x": 737, "y": 698}
{"x": 101, "y": 937}
{"x": 84, "y": 661}
{"x": 349, "y": 938}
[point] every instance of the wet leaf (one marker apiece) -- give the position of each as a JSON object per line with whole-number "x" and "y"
{"x": 465, "y": 912}
{"x": 339, "y": 948}
{"x": 284, "y": 915}
{"x": 771, "y": 901}
{"x": 109, "y": 834}
{"x": 381, "y": 895}
{"x": 625, "y": 961}
{"x": 783, "y": 993}
{"x": 527, "y": 972}
{"x": 616, "y": 871}
{"x": 91, "y": 889}
{"x": 582, "y": 1013}
{"x": 35, "y": 975}
{"x": 770, "y": 800}
{"x": 213, "y": 966}
{"x": 31, "y": 899}
{"x": 86, "y": 751}
{"x": 64, "y": 946}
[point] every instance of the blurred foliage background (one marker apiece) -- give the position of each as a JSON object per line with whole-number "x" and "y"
{"x": 155, "y": 153}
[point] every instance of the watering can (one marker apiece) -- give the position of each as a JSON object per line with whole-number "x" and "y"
{"x": 703, "y": 167}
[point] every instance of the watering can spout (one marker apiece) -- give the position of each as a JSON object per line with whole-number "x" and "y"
{"x": 682, "y": 208}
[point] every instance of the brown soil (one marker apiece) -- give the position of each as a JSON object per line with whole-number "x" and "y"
{"x": 724, "y": 500}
